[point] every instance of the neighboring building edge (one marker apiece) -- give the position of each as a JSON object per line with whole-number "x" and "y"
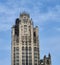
{"x": 46, "y": 60}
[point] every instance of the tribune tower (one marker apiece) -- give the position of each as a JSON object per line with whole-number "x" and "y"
{"x": 25, "y": 42}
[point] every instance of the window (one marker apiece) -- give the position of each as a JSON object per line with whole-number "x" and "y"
{"x": 17, "y": 63}
{"x": 35, "y": 60}
{"x": 35, "y": 63}
{"x": 47, "y": 61}
{"x": 34, "y": 40}
{"x": 17, "y": 48}
{"x": 35, "y": 49}
{"x": 34, "y": 34}
{"x": 25, "y": 28}
{"x": 23, "y": 63}
{"x": 22, "y": 48}
{"x": 30, "y": 63}
{"x": 35, "y": 57}
{"x": 17, "y": 60}
{"x": 17, "y": 56}
{"x": 25, "y": 19}
{"x": 23, "y": 56}
{"x": 30, "y": 52}
{"x": 29, "y": 48}
{"x": 17, "y": 53}
{"x": 30, "y": 56}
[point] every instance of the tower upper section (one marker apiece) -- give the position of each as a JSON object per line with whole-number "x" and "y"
{"x": 25, "y": 42}
{"x": 23, "y": 22}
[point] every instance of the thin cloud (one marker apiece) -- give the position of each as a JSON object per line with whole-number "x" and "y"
{"x": 57, "y": 29}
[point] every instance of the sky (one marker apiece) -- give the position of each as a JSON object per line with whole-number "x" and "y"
{"x": 44, "y": 13}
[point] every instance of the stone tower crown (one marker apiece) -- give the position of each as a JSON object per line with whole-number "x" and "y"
{"x": 24, "y": 14}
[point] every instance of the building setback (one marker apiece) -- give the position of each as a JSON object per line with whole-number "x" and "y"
{"x": 25, "y": 43}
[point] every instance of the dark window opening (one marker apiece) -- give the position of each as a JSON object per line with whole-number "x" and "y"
{"x": 30, "y": 63}
{"x": 34, "y": 34}
{"x": 47, "y": 61}
{"x": 34, "y": 40}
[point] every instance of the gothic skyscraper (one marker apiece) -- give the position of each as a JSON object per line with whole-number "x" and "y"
{"x": 25, "y": 42}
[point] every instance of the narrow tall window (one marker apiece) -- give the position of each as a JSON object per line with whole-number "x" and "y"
{"x": 25, "y": 28}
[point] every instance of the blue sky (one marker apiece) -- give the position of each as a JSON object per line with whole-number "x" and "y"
{"x": 45, "y": 14}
